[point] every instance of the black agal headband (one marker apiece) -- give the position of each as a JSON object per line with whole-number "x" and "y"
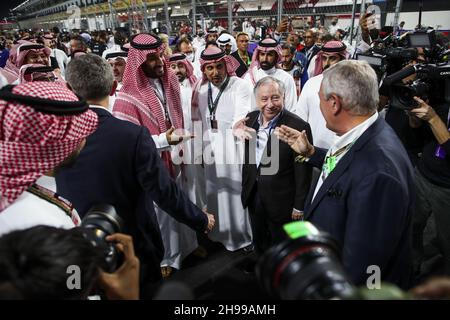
{"x": 55, "y": 107}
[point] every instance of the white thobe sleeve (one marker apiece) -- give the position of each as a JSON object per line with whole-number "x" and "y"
{"x": 312, "y": 67}
{"x": 161, "y": 141}
{"x": 290, "y": 98}
{"x": 301, "y": 108}
{"x": 243, "y": 101}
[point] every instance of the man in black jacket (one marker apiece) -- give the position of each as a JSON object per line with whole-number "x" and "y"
{"x": 274, "y": 186}
{"x": 121, "y": 166}
{"x": 241, "y": 54}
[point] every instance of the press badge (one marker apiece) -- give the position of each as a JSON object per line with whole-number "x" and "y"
{"x": 214, "y": 125}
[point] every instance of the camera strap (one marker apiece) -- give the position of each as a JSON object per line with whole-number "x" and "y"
{"x": 55, "y": 199}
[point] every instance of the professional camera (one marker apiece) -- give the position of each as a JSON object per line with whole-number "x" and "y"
{"x": 389, "y": 57}
{"x": 431, "y": 79}
{"x": 98, "y": 223}
{"x": 307, "y": 266}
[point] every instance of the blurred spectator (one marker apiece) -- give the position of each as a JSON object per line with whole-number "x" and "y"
{"x": 242, "y": 55}
{"x": 34, "y": 264}
{"x": 49, "y": 129}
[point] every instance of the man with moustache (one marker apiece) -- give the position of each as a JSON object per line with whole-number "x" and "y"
{"x": 117, "y": 60}
{"x": 308, "y": 105}
{"x": 266, "y": 62}
{"x": 150, "y": 97}
{"x": 221, "y": 99}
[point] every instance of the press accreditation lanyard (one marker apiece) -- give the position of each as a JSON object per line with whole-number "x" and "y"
{"x": 163, "y": 101}
{"x": 272, "y": 126}
{"x": 331, "y": 160}
{"x": 212, "y": 105}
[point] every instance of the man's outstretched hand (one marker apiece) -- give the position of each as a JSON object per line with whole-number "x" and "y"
{"x": 297, "y": 140}
{"x": 242, "y": 131}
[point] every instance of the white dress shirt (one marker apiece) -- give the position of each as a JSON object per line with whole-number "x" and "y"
{"x": 347, "y": 139}
{"x": 263, "y": 135}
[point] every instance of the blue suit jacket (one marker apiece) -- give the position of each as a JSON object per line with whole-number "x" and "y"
{"x": 120, "y": 166}
{"x": 366, "y": 204}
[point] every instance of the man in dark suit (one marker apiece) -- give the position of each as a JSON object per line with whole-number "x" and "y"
{"x": 241, "y": 54}
{"x": 121, "y": 166}
{"x": 365, "y": 193}
{"x": 274, "y": 186}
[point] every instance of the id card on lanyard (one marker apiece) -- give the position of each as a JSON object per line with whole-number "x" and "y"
{"x": 212, "y": 105}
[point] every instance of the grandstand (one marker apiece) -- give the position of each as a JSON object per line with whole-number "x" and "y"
{"x": 144, "y": 15}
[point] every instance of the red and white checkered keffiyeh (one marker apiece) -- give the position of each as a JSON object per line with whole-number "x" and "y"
{"x": 331, "y": 48}
{"x": 22, "y": 52}
{"x": 10, "y": 66}
{"x": 33, "y": 143}
{"x": 265, "y": 45}
{"x": 211, "y": 55}
{"x": 214, "y": 55}
{"x": 179, "y": 57}
{"x": 23, "y": 77}
{"x": 137, "y": 101}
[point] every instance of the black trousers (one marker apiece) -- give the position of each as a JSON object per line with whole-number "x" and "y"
{"x": 266, "y": 230}
{"x": 431, "y": 201}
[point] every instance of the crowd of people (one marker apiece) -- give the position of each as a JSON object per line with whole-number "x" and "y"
{"x": 203, "y": 136}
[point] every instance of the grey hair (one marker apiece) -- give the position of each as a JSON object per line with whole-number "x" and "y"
{"x": 355, "y": 82}
{"x": 90, "y": 76}
{"x": 267, "y": 80}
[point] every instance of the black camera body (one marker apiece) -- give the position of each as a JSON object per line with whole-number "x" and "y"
{"x": 431, "y": 79}
{"x": 391, "y": 54}
{"x": 98, "y": 223}
{"x": 307, "y": 266}
{"x": 304, "y": 267}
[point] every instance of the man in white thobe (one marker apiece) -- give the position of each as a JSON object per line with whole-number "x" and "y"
{"x": 218, "y": 102}
{"x": 266, "y": 62}
{"x": 308, "y": 106}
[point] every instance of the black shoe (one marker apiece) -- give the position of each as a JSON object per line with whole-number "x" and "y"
{"x": 249, "y": 248}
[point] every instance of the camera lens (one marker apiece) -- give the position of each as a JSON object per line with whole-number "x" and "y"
{"x": 98, "y": 223}
{"x": 402, "y": 96}
{"x": 304, "y": 267}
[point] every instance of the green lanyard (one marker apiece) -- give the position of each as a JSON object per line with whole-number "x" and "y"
{"x": 212, "y": 106}
{"x": 331, "y": 161}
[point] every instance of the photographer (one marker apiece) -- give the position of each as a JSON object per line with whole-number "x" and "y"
{"x": 398, "y": 119}
{"x": 36, "y": 263}
{"x": 432, "y": 178}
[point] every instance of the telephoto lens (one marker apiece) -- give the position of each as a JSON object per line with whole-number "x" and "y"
{"x": 304, "y": 266}
{"x": 98, "y": 223}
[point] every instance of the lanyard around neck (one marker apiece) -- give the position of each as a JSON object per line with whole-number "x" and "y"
{"x": 272, "y": 126}
{"x": 331, "y": 160}
{"x": 212, "y": 106}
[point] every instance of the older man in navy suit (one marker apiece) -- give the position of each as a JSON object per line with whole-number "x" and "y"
{"x": 121, "y": 166}
{"x": 365, "y": 192}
